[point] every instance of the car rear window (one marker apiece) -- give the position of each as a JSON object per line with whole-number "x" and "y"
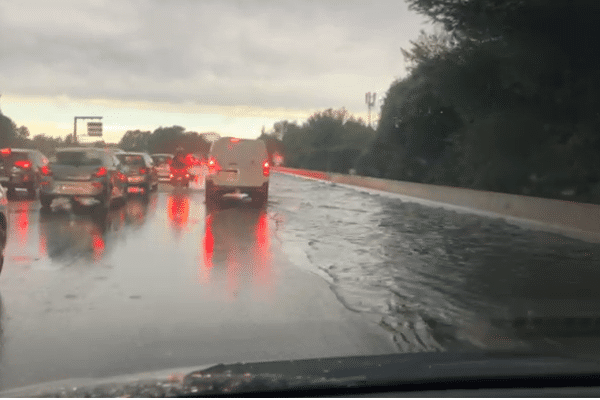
{"x": 131, "y": 159}
{"x": 78, "y": 158}
{"x": 161, "y": 159}
{"x": 17, "y": 155}
{"x": 248, "y": 149}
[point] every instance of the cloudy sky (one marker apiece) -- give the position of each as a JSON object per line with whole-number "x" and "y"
{"x": 229, "y": 66}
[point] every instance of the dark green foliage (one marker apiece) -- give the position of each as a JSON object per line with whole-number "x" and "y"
{"x": 506, "y": 100}
{"x": 164, "y": 140}
{"x": 331, "y": 140}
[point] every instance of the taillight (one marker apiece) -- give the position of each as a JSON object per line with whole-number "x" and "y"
{"x": 45, "y": 170}
{"x": 143, "y": 171}
{"x": 100, "y": 173}
{"x": 266, "y": 168}
{"x": 5, "y": 152}
{"x": 213, "y": 165}
{"x": 24, "y": 164}
{"x": 234, "y": 140}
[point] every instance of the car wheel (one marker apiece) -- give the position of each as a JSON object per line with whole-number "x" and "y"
{"x": 260, "y": 196}
{"x": 11, "y": 193}
{"x": 32, "y": 192}
{"x": 104, "y": 199}
{"x": 211, "y": 195}
{"x": 45, "y": 201}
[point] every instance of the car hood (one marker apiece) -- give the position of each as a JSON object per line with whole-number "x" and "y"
{"x": 366, "y": 374}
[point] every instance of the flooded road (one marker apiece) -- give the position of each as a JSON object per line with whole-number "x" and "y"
{"x": 158, "y": 284}
{"x": 324, "y": 271}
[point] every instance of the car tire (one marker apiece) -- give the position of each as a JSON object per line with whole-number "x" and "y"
{"x": 260, "y": 196}
{"x": 211, "y": 195}
{"x": 11, "y": 193}
{"x": 104, "y": 199}
{"x": 46, "y": 202}
{"x": 32, "y": 192}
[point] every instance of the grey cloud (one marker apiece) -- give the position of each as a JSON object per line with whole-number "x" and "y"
{"x": 273, "y": 53}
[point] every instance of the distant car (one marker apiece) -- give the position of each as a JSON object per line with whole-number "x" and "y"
{"x": 83, "y": 175}
{"x": 21, "y": 169}
{"x": 3, "y": 224}
{"x": 162, "y": 163}
{"x": 238, "y": 166}
{"x": 140, "y": 172}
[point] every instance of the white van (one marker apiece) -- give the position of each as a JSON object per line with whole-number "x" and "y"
{"x": 238, "y": 166}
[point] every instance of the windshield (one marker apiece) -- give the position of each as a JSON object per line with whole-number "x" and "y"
{"x": 356, "y": 178}
{"x": 158, "y": 160}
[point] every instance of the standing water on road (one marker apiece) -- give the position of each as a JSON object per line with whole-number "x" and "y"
{"x": 437, "y": 279}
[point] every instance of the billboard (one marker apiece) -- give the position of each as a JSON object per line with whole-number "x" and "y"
{"x": 94, "y": 128}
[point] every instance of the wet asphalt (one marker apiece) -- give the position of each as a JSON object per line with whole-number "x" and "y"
{"x": 160, "y": 283}
{"x": 323, "y": 271}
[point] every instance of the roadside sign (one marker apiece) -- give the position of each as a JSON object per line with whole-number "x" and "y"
{"x": 94, "y": 128}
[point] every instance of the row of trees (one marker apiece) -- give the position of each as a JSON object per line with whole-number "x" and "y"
{"x": 329, "y": 140}
{"x": 165, "y": 140}
{"x": 12, "y": 135}
{"x": 504, "y": 96}
{"x": 162, "y": 140}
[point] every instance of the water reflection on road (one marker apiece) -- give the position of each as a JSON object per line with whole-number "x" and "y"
{"x": 63, "y": 235}
{"x": 88, "y": 235}
{"x": 160, "y": 283}
{"x": 236, "y": 252}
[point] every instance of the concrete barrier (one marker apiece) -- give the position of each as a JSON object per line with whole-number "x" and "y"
{"x": 577, "y": 220}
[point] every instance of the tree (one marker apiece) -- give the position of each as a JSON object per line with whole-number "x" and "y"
{"x": 135, "y": 140}
{"x": 7, "y": 131}
{"x": 428, "y": 47}
{"x": 503, "y": 101}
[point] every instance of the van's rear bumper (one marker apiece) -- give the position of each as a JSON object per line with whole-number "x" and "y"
{"x": 243, "y": 182}
{"x": 235, "y": 188}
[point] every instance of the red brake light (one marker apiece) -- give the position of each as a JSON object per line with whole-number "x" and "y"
{"x": 24, "y": 164}
{"x": 5, "y": 152}
{"x": 101, "y": 172}
{"x": 234, "y": 140}
{"x": 266, "y": 169}
{"x": 213, "y": 165}
{"x": 143, "y": 171}
{"x": 45, "y": 170}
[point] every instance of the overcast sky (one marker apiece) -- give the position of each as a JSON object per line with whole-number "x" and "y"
{"x": 227, "y": 66}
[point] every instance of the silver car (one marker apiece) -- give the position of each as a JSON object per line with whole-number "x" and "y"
{"x": 162, "y": 163}
{"x": 84, "y": 175}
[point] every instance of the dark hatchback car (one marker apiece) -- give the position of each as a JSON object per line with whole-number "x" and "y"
{"x": 84, "y": 175}
{"x": 140, "y": 172}
{"x": 22, "y": 169}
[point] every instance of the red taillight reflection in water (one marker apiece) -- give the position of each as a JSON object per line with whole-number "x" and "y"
{"x": 97, "y": 246}
{"x": 43, "y": 246}
{"x": 23, "y": 223}
{"x": 178, "y": 209}
{"x": 208, "y": 246}
{"x": 263, "y": 254}
{"x": 236, "y": 254}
